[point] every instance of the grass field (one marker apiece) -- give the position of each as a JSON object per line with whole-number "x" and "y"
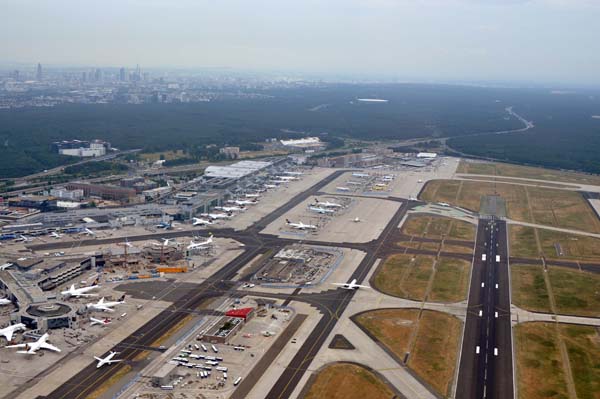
{"x": 527, "y": 172}
{"x": 583, "y": 347}
{"x": 529, "y": 288}
{"x": 450, "y": 281}
{"x": 434, "y": 351}
{"x": 348, "y": 381}
{"x": 522, "y": 242}
{"x": 559, "y": 208}
{"x": 575, "y": 292}
{"x": 439, "y": 227}
{"x": 405, "y": 276}
{"x": 518, "y": 181}
{"x": 539, "y": 368}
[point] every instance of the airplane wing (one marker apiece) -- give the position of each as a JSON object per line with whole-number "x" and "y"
{"x": 115, "y": 361}
{"x": 8, "y": 335}
{"x": 78, "y": 295}
{"x": 16, "y": 346}
{"x": 105, "y": 308}
{"x": 339, "y": 284}
{"x": 48, "y": 346}
{"x": 361, "y": 286}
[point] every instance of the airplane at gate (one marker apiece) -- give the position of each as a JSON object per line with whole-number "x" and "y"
{"x": 103, "y": 306}
{"x": 194, "y": 245}
{"x": 32, "y": 347}
{"x": 8, "y": 332}
{"x": 79, "y": 292}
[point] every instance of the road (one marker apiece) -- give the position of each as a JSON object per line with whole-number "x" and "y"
{"x": 486, "y": 364}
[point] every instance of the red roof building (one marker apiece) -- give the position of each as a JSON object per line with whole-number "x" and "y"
{"x": 243, "y": 313}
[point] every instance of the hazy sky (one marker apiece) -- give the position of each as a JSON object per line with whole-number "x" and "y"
{"x": 523, "y": 40}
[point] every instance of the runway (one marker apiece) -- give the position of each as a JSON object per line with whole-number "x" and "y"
{"x": 486, "y": 359}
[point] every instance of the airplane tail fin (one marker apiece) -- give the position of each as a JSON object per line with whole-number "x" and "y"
{"x": 122, "y": 298}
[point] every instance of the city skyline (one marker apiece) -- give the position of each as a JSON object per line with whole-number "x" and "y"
{"x": 456, "y": 40}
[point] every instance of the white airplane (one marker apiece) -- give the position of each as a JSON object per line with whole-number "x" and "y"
{"x": 279, "y": 181}
{"x": 327, "y": 204}
{"x": 55, "y": 235}
{"x": 99, "y": 322}
{"x": 350, "y": 286}
{"x": 215, "y": 216}
{"x": 270, "y": 186}
{"x": 89, "y": 232}
{"x": 287, "y": 178}
{"x": 8, "y": 332}
{"x": 166, "y": 242}
{"x": 381, "y": 185}
{"x": 5, "y": 266}
{"x": 22, "y": 238}
{"x": 229, "y": 209}
{"x": 300, "y": 225}
{"x": 293, "y": 173}
{"x": 32, "y": 347}
{"x": 356, "y": 220}
{"x": 243, "y": 202}
{"x": 194, "y": 245}
{"x": 444, "y": 204}
{"x": 322, "y": 211}
{"x": 201, "y": 222}
{"x": 252, "y": 195}
{"x": 107, "y": 360}
{"x": 79, "y": 292}
{"x": 105, "y": 306}
{"x": 5, "y": 301}
{"x": 342, "y": 188}
{"x": 356, "y": 174}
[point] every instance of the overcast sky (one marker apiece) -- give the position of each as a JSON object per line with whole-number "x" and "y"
{"x": 510, "y": 40}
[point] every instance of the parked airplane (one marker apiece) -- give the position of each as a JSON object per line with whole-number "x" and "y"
{"x": 164, "y": 225}
{"x": 55, "y": 235}
{"x": 5, "y": 266}
{"x": 215, "y": 216}
{"x": 166, "y": 241}
{"x": 230, "y": 209}
{"x": 342, "y": 188}
{"x": 293, "y": 173}
{"x": 327, "y": 204}
{"x": 280, "y": 181}
{"x": 382, "y": 185}
{"x": 89, "y": 232}
{"x": 194, "y": 245}
{"x": 270, "y": 186}
{"x": 287, "y": 178}
{"x": 243, "y": 202}
{"x": 356, "y": 174}
{"x": 322, "y": 211}
{"x": 22, "y": 238}
{"x": 444, "y": 204}
{"x": 32, "y": 347}
{"x": 351, "y": 285}
{"x": 103, "y": 306}
{"x": 300, "y": 225}
{"x": 79, "y": 292}
{"x": 7, "y": 332}
{"x": 107, "y": 360}
{"x": 201, "y": 222}
{"x": 100, "y": 322}
{"x": 252, "y": 195}
{"x": 5, "y": 301}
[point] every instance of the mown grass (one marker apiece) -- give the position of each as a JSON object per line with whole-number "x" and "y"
{"x": 348, "y": 381}
{"x": 529, "y": 288}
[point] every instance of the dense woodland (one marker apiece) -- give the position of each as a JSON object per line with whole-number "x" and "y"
{"x": 565, "y": 134}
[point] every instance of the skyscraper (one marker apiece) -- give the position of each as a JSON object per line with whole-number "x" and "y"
{"x": 39, "y": 74}
{"x": 122, "y": 75}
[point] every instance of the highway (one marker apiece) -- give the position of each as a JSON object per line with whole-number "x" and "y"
{"x": 486, "y": 363}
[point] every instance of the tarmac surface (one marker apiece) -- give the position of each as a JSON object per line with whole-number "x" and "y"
{"x": 486, "y": 363}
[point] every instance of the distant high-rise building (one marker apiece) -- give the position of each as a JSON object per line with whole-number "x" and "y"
{"x": 98, "y": 75}
{"x": 39, "y": 75}
{"x": 15, "y": 74}
{"x": 122, "y": 75}
{"x": 83, "y": 76}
